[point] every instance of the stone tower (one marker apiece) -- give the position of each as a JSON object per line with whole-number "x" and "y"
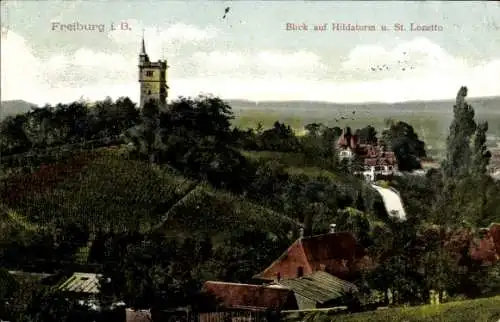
{"x": 152, "y": 79}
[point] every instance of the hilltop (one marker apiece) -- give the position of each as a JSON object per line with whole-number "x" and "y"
{"x": 481, "y": 104}
{"x": 14, "y": 107}
{"x": 488, "y": 104}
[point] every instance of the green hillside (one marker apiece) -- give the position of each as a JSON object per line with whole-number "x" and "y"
{"x": 107, "y": 190}
{"x": 479, "y": 310}
{"x": 220, "y": 213}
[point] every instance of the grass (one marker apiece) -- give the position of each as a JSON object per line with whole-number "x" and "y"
{"x": 17, "y": 219}
{"x": 294, "y": 162}
{"x": 221, "y": 214}
{"x": 478, "y": 310}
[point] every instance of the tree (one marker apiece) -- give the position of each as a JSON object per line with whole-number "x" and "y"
{"x": 13, "y": 138}
{"x": 458, "y": 151}
{"x": 397, "y": 249}
{"x": 480, "y": 154}
{"x": 319, "y": 149}
{"x": 465, "y": 165}
{"x": 195, "y": 137}
{"x": 313, "y": 129}
{"x": 279, "y": 138}
{"x": 439, "y": 266}
{"x": 354, "y": 221}
{"x": 408, "y": 148}
{"x": 155, "y": 273}
{"x": 367, "y": 135}
{"x": 49, "y": 305}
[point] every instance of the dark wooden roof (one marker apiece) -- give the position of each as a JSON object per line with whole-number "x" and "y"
{"x": 320, "y": 287}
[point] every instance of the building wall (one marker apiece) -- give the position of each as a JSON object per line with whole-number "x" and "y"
{"x": 137, "y": 316}
{"x": 287, "y": 266}
{"x": 152, "y": 77}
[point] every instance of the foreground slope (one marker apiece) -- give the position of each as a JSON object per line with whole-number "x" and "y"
{"x": 479, "y": 310}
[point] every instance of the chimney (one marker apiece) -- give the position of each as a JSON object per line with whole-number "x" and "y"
{"x": 301, "y": 232}
{"x": 332, "y": 228}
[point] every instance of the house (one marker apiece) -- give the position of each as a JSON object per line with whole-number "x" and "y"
{"x": 84, "y": 287}
{"x": 375, "y": 159}
{"x": 487, "y": 249}
{"x": 24, "y": 278}
{"x": 43, "y": 278}
{"x": 137, "y": 315}
{"x": 320, "y": 290}
{"x": 248, "y": 297}
{"x": 482, "y": 246}
{"x": 337, "y": 253}
{"x": 84, "y": 284}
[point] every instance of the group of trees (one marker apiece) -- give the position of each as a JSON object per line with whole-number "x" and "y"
{"x": 319, "y": 142}
{"x": 66, "y": 124}
{"x": 193, "y": 137}
{"x": 432, "y": 250}
{"x": 466, "y": 166}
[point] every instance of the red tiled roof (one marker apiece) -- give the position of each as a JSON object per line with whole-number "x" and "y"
{"x": 342, "y": 142}
{"x": 251, "y": 297}
{"x": 325, "y": 247}
{"x": 370, "y": 161}
{"x": 494, "y": 231}
{"x": 379, "y": 161}
{"x": 334, "y": 253}
{"x": 487, "y": 249}
{"x": 354, "y": 141}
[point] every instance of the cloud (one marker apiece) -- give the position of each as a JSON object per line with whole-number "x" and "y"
{"x": 178, "y": 34}
{"x": 257, "y": 75}
{"x": 419, "y": 52}
{"x": 17, "y": 79}
{"x": 434, "y": 72}
{"x": 260, "y": 65}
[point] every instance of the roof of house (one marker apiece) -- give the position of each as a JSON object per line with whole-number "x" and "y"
{"x": 31, "y": 275}
{"x": 137, "y": 315}
{"x": 320, "y": 287}
{"x": 81, "y": 283}
{"x": 328, "y": 246}
{"x": 320, "y": 251}
{"x": 487, "y": 248}
{"x": 251, "y": 297}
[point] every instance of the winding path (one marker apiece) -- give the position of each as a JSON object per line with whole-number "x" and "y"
{"x": 392, "y": 201}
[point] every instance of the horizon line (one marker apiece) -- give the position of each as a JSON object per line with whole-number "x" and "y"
{"x": 274, "y": 101}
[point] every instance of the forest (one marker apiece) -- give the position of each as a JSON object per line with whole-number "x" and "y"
{"x": 159, "y": 200}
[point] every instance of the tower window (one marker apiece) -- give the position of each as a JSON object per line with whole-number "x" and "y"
{"x": 300, "y": 271}
{"x": 149, "y": 73}
{"x": 149, "y": 92}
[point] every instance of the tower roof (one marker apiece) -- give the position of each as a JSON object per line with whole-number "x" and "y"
{"x": 143, "y": 45}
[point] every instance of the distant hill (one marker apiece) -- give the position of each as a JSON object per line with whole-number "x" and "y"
{"x": 8, "y": 108}
{"x": 485, "y": 105}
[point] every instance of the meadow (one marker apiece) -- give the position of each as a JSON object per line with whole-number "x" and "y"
{"x": 431, "y": 120}
{"x": 478, "y": 310}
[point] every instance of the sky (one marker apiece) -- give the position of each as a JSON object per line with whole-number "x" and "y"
{"x": 250, "y": 54}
